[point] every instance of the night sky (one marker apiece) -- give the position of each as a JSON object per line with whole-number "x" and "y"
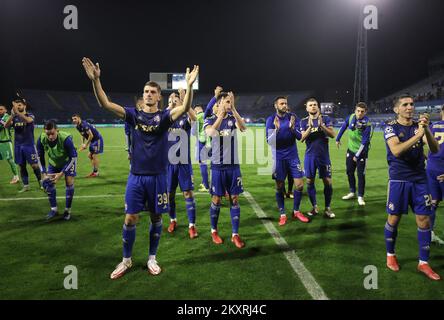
{"x": 245, "y": 45}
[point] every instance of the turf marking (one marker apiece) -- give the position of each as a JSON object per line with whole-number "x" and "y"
{"x": 307, "y": 279}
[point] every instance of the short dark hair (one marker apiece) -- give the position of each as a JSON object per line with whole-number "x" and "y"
{"x": 50, "y": 124}
{"x": 155, "y": 85}
{"x": 20, "y": 100}
{"x": 401, "y": 96}
{"x": 278, "y": 98}
{"x": 222, "y": 95}
{"x": 198, "y": 106}
{"x": 362, "y": 105}
{"x": 311, "y": 99}
{"x": 76, "y": 115}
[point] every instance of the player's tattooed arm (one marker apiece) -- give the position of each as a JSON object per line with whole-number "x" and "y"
{"x": 240, "y": 123}
{"x": 190, "y": 77}
{"x": 93, "y": 72}
{"x": 87, "y": 142}
{"x": 428, "y": 138}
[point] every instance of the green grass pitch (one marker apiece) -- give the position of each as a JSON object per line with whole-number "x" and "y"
{"x": 34, "y": 253}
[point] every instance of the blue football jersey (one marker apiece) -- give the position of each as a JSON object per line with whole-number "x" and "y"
{"x": 317, "y": 141}
{"x": 83, "y": 128}
{"x": 23, "y": 132}
{"x": 224, "y": 150}
{"x": 283, "y": 145}
{"x": 409, "y": 166}
{"x": 436, "y": 160}
{"x": 149, "y": 141}
{"x": 179, "y": 139}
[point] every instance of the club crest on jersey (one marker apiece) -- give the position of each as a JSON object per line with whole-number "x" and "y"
{"x": 156, "y": 118}
{"x": 230, "y": 123}
{"x": 181, "y": 123}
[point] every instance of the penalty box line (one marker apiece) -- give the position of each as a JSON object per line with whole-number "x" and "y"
{"x": 307, "y": 279}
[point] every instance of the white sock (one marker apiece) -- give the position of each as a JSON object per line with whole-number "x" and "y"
{"x": 423, "y": 262}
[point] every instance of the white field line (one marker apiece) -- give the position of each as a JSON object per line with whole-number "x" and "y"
{"x": 307, "y": 279}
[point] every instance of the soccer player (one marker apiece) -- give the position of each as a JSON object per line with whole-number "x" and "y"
{"x": 202, "y": 148}
{"x": 62, "y": 158}
{"x": 225, "y": 169}
{"x": 92, "y": 139}
{"x": 316, "y": 130}
{"x": 6, "y": 144}
{"x": 359, "y": 135}
{"x": 24, "y": 144}
{"x": 435, "y": 173}
{"x": 180, "y": 170}
{"x": 282, "y": 130}
{"x": 407, "y": 185}
{"x": 147, "y": 182}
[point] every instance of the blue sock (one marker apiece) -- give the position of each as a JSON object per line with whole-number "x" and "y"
{"x": 297, "y": 197}
{"x": 311, "y": 190}
{"x": 128, "y": 236}
{"x": 24, "y": 175}
{"x": 390, "y": 233}
{"x": 172, "y": 211}
{"x": 52, "y": 194}
{"x": 191, "y": 210}
{"x": 214, "y": 215}
{"x": 235, "y": 217}
{"x": 155, "y": 232}
{"x": 69, "y": 196}
{"x": 204, "y": 174}
{"x": 280, "y": 199}
{"x": 328, "y": 192}
{"x": 424, "y": 239}
{"x": 433, "y": 216}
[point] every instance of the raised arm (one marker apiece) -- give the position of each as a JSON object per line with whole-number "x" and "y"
{"x": 428, "y": 138}
{"x": 93, "y": 72}
{"x": 188, "y": 98}
{"x": 240, "y": 123}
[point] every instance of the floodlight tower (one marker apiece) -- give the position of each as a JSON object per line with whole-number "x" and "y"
{"x": 361, "y": 69}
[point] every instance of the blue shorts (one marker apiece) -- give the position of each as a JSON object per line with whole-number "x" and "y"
{"x": 229, "y": 180}
{"x": 312, "y": 163}
{"x": 182, "y": 175}
{"x": 146, "y": 193}
{"x": 25, "y": 153}
{"x": 402, "y": 194}
{"x": 203, "y": 153}
{"x": 70, "y": 173}
{"x": 436, "y": 188}
{"x": 282, "y": 168}
{"x": 96, "y": 147}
